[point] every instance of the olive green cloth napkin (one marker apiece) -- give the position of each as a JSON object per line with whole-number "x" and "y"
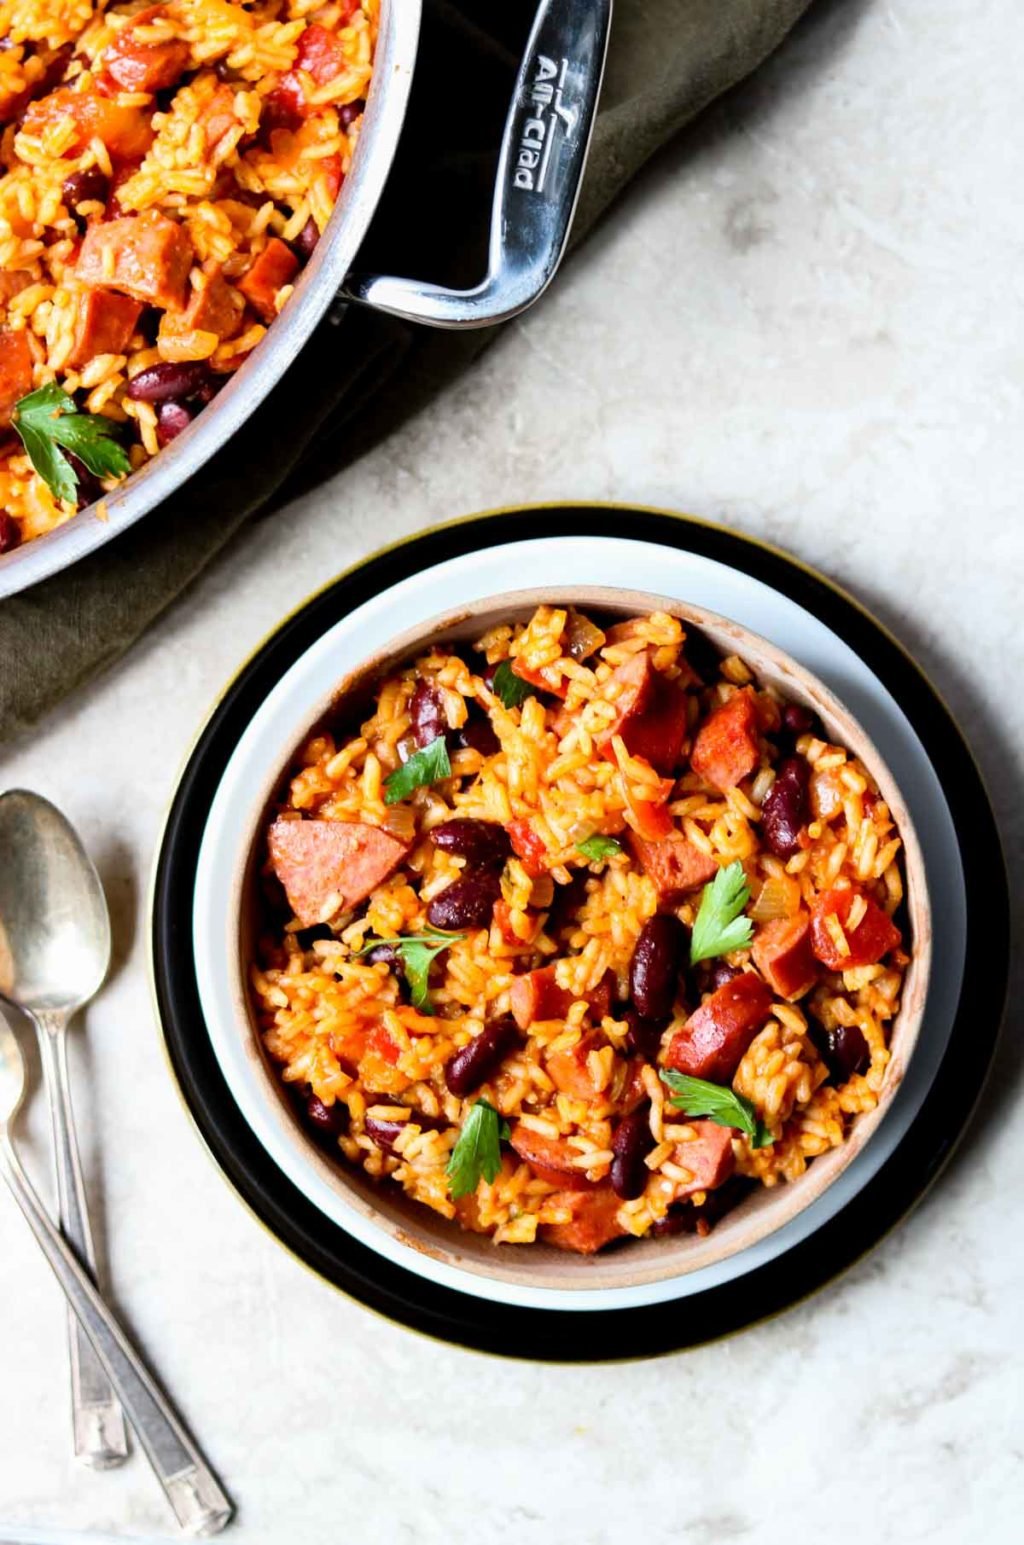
{"x": 357, "y": 381}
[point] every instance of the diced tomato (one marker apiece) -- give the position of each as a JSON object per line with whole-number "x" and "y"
{"x": 726, "y": 747}
{"x": 559, "y": 688}
{"x": 379, "y": 1041}
{"x": 138, "y": 66}
{"x": 126, "y": 131}
{"x": 502, "y": 918}
{"x": 275, "y": 266}
{"x": 528, "y": 846}
{"x": 593, "y": 1225}
{"x": 330, "y": 170}
{"x": 649, "y": 817}
{"x": 782, "y": 953}
{"x": 15, "y": 371}
{"x": 874, "y": 936}
{"x": 714, "y": 1039}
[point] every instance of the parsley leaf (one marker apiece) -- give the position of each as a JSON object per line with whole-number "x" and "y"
{"x": 478, "y": 1150}
{"x": 417, "y": 952}
{"x": 424, "y": 767}
{"x": 597, "y": 847}
{"x": 719, "y": 926}
{"x": 698, "y": 1097}
{"x": 512, "y": 689}
{"x": 48, "y": 419}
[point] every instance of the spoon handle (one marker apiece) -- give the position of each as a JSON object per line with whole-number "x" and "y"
{"x": 200, "y": 1505}
{"x": 99, "y": 1435}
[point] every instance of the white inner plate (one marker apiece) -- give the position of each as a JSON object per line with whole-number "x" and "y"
{"x": 280, "y": 722}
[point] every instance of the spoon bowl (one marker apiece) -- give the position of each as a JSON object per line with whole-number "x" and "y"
{"x": 54, "y": 924}
{"x": 12, "y": 1074}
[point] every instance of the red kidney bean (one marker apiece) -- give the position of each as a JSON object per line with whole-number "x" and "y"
{"x": 474, "y": 1064}
{"x": 305, "y": 242}
{"x": 467, "y": 903}
{"x": 161, "y": 383}
{"x": 348, "y": 114}
{"x": 643, "y": 1038}
{"x": 480, "y": 843}
{"x": 10, "y": 532}
{"x": 477, "y": 734}
{"x": 384, "y": 1133}
{"x": 784, "y": 812}
{"x": 427, "y": 713}
{"x": 326, "y": 1120}
{"x": 89, "y": 487}
{"x": 89, "y": 185}
{"x": 631, "y": 1145}
{"x": 844, "y": 1050}
{"x": 684, "y": 1217}
{"x": 654, "y": 969}
{"x": 171, "y": 419}
{"x": 386, "y": 953}
{"x": 720, "y": 973}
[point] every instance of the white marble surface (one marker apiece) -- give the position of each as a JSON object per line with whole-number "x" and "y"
{"x": 806, "y": 321}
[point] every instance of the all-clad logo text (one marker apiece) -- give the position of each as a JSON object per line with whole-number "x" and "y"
{"x": 546, "y": 110}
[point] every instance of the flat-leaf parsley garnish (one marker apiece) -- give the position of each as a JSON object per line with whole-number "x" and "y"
{"x": 48, "y": 419}
{"x": 478, "y": 1150}
{"x": 726, "y": 1108}
{"x": 598, "y": 847}
{"x": 417, "y": 952}
{"x": 512, "y": 689}
{"x": 719, "y": 926}
{"x": 424, "y": 767}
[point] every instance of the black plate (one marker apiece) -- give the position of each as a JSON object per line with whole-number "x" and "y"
{"x": 560, "y": 1335}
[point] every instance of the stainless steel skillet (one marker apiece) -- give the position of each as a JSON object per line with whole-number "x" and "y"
{"x": 543, "y": 152}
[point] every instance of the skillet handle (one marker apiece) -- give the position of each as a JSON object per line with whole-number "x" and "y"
{"x": 543, "y": 153}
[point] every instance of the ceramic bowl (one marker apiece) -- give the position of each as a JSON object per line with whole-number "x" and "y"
{"x": 381, "y": 1215}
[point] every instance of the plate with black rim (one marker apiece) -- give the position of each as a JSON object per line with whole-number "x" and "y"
{"x": 834, "y": 637}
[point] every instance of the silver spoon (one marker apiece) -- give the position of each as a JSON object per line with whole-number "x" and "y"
{"x": 192, "y": 1489}
{"x": 54, "y": 954}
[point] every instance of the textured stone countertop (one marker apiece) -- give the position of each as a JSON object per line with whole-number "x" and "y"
{"x": 806, "y": 321}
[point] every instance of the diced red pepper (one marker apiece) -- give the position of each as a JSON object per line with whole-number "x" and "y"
{"x": 321, "y": 56}
{"x": 649, "y": 817}
{"x": 726, "y": 747}
{"x": 528, "y": 846}
{"x": 874, "y": 936}
{"x": 380, "y": 1041}
{"x": 15, "y": 371}
{"x": 535, "y": 679}
{"x": 714, "y": 1039}
{"x": 783, "y": 955}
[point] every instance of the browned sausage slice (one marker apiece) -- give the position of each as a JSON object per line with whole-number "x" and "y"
{"x": 714, "y": 1039}
{"x": 549, "y": 1158}
{"x": 726, "y": 747}
{"x": 709, "y": 1156}
{"x": 594, "y": 1222}
{"x": 328, "y": 867}
{"x": 104, "y": 325}
{"x": 674, "y": 864}
{"x": 146, "y": 256}
{"x": 783, "y": 955}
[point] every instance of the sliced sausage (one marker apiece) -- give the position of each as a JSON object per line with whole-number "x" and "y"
{"x": 593, "y": 1225}
{"x": 537, "y": 996}
{"x": 276, "y": 266}
{"x": 318, "y": 861}
{"x": 714, "y": 1039}
{"x": 139, "y": 66}
{"x": 783, "y": 955}
{"x": 568, "y": 1070}
{"x": 104, "y": 325}
{"x": 214, "y": 306}
{"x": 146, "y": 256}
{"x": 549, "y": 1158}
{"x": 15, "y": 371}
{"x": 726, "y": 747}
{"x": 873, "y": 936}
{"x": 709, "y": 1157}
{"x": 650, "y": 714}
{"x": 674, "y": 864}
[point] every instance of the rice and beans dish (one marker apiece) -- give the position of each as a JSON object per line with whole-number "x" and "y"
{"x": 167, "y": 169}
{"x": 581, "y": 935}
